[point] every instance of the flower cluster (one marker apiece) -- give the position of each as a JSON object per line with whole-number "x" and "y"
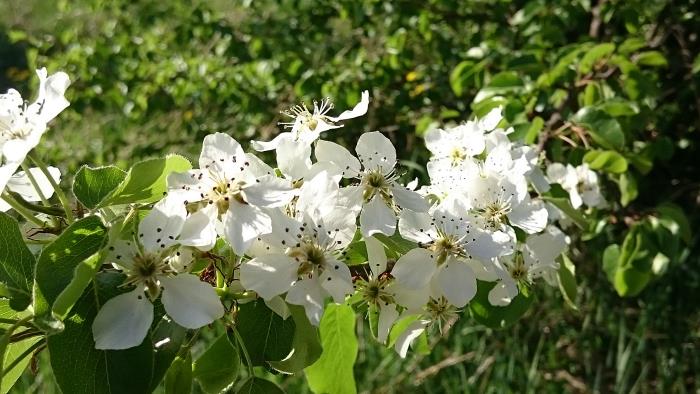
{"x": 296, "y": 230}
{"x": 293, "y": 226}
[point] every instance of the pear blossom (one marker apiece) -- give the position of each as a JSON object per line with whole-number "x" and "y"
{"x": 234, "y": 189}
{"x": 377, "y": 289}
{"x": 500, "y": 201}
{"x": 463, "y": 141}
{"x": 534, "y": 259}
{"x": 379, "y": 195}
{"x": 306, "y": 126}
{"x": 21, "y": 184}
{"x": 155, "y": 265}
{"x": 303, "y": 254}
{"x": 580, "y": 182}
{"x": 22, "y": 124}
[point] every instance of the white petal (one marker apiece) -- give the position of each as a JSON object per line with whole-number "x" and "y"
{"x": 293, "y": 158}
{"x": 181, "y": 260}
{"x": 161, "y": 227}
{"x": 546, "y": 247}
{"x": 221, "y": 154}
{"x": 51, "y": 100}
{"x": 359, "y": 109}
{"x": 416, "y": 226}
{"x": 485, "y": 245}
{"x": 503, "y": 293}
{"x": 309, "y": 294}
{"x": 121, "y": 253}
{"x": 190, "y": 302}
{"x": 327, "y": 151}
{"x": 387, "y": 317}
{"x": 269, "y": 192}
{"x": 530, "y": 216}
{"x": 20, "y": 183}
{"x": 557, "y": 173}
{"x": 269, "y": 275}
{"x": 377, "y": 218}
{"x": 123, "y": 321}
{"x": 376, "y": 256}
{"x": 262, "y": 146}
{"x": 199, "y": 230}
{"x": 337, "y": 280}
{"x": 243, "y": 223}
{"x": 277, "y": 305}
{"x": 413, "y": 331}
{"x": 408, "y": 199}
{"x": 438, "y": 142}
{"x": 415, "y": 268}
{"x": 492, "y": 119}
{"x": 341, "y": 223}
{"x": 412, "y": 299}
{"x": 456, "y": 281}
{"x": 375, "y": 151}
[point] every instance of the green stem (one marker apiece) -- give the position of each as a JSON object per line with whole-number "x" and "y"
{"x": 22, "y": 356}
{"x": 59, "y": 193}
{"x": 27, "y": 214}
{"x": 28, "y": 333}
{"x": 244, "y": 350}
{"x": 36, "y": 207}
{"x": 34, "y": 183}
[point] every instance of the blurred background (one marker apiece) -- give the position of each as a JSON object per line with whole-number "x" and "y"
{"x": 156, "y": 77}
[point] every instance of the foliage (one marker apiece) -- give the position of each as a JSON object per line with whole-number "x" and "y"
{"x": 610, "y": 84}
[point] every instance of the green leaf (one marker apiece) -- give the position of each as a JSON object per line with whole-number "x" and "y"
{"x": 92, "y": 185}
{"x": 696, "y": 64}
{"x": 629, "y": 281}
{"x": 611, "y": 257}
{"x": 218, "y": 367}
{"x": 256, "y": 385}
{"x": 593, "y": 55}
{"x": 396, "y": 244}
{"x": 178, "y": 380}
{"x": 497, "y": 316}
{"x": 652, "y": 58}
{"x": 306, "y": 345}
{"x": 619, "y": 107}
{"x": 462, "y": 74}
{"x": 167, "y": 337}
{"x": 13, "y": 350}
{"x": 628, "y": 188}
{"x": 266, "y": 336}
{"x": 671, "y": 213}
{"x": 505, "y": 82}
{"x": 606, "y": 160}
{"x": 146, "y": 181}
{"x": 80, "y": 368}
{"x": 603, "y": 128}
{"x": 16, "y": 264}
{"x": 333, "y": 372}
{"x": 560, "y": 199}
{"x": 67, "y": 265}
{"x": 566, "y": 276}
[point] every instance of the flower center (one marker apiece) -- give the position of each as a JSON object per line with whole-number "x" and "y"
{"x": 310, "y": 255}
{"x": 441, "y": 311}
{"x": 457, "y": 156}
{"x": 373, "y": 182}
{"x": 145, "y": 271}
{"x": 373, "y": 291}
{"x": 447, "y": 245}
{"x": 517, "y": 268}
{"x": 222, "y": 192}
{"x": 496, "y": 213}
